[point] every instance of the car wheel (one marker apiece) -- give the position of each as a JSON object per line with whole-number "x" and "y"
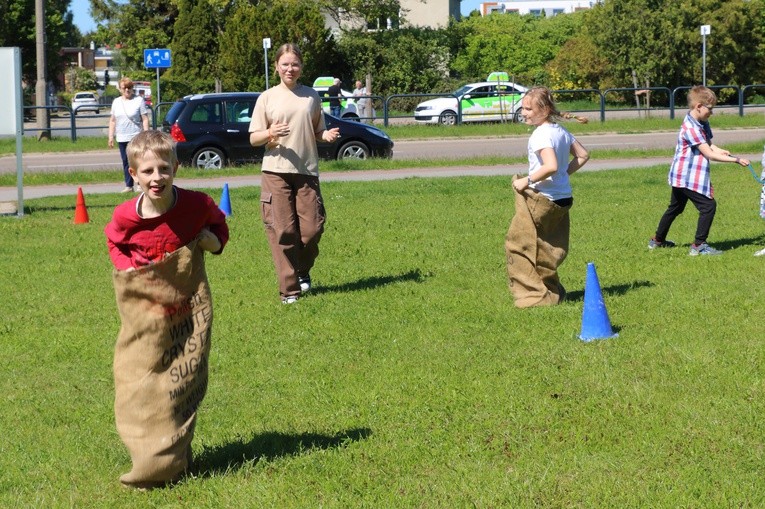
{"x": 208, "y": 158}
{"x": 447, "y": 118}
{"x": 352, "y": 117}
{"x": 353, "y": 150}
{"x": 517, "y": 116}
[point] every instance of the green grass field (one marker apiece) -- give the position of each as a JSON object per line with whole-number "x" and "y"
{"x": 408, "y": 379}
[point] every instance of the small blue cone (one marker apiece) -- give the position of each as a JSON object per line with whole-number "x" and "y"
{"x": 595, "y": 322}
{"x": 225, "y": 201}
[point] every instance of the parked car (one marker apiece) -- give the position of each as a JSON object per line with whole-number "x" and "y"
{"x": 211, "y": 131}
{"x": 486, "y": 101}
{"x": 348, "y": 103}
{"x": 85, "y": 101}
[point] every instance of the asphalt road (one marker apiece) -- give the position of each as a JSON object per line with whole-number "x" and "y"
{"x": 405, "y": 149}
{"x": 416, "y": 149}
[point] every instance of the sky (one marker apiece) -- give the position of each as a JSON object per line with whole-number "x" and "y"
{"x": 83, "y": 21}
{"x": 81, "y": 11}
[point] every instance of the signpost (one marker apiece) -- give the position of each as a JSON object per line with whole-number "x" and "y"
{"x": 266, "y": 46}
{"x": 705, "y": 30}
{"x": 157, "y": 59}
{"x": 11, "y": 112}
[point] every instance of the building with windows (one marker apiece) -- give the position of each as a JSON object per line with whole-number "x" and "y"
{"x": 537, "y": 7}
{"x": 416, "y": 13}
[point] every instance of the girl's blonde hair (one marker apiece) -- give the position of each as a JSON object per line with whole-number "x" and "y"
{"x": 543, "y": 99}
{"x": 288, "y": 48}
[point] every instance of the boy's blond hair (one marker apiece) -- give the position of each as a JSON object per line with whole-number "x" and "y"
{"x": 151, "y": 141}
{"x": 701, "y": 95}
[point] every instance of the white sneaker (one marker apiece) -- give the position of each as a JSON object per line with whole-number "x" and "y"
{"x": 761, "y": 252}
{"x": 127, "y": 190}
{"x": 305, "y": 284}
{"x": 290, "y": 300}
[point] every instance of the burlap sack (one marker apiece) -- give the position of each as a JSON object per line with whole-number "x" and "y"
{"x": 160, "y": 362}
{"x": 536, "y": 244}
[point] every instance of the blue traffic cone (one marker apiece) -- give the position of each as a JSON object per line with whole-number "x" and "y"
{"x": 595, "y": 322}
{"x": 225, "y": 201}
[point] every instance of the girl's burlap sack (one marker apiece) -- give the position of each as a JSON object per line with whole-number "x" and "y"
{"x": 160, "y": 362}
{"x": 536, "y": 244}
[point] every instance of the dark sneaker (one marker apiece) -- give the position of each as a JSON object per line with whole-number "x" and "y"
{"x": 305, "y": 284}
{"x": 703, "y": 249}
{"x": 653, "y": 244}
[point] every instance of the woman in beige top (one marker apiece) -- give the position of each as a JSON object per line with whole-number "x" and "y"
{"x": 288, "y": 120}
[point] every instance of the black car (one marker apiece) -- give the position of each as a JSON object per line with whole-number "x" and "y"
{"x": 211, "y": 131}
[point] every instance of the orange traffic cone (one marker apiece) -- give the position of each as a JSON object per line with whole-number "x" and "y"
{"x": 80, "y": 211}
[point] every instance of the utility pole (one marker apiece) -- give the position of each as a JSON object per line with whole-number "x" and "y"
{"x": 41, "y": 87}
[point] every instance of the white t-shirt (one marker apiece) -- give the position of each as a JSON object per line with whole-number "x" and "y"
{"x": 128, "y": 117}
{"x": 554, "y": 136}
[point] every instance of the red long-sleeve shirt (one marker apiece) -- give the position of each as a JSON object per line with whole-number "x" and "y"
{"x": 134, "y": 241}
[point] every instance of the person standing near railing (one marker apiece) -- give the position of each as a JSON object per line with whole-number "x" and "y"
{"x": 129, "y": 117}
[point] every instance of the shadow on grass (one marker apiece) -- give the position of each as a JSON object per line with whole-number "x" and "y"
{"x": 269, "y": 446}
{"x": 732, "y": 244}
{"x": 368, "y": 283}
{"x": 578, "y": 295}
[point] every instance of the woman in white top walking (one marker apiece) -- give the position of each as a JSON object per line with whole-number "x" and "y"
{"x": 129, "y": 117}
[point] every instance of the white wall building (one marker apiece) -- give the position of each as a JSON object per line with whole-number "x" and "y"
{"x": 537, "y": 7}
{"x": 418, "y": 13}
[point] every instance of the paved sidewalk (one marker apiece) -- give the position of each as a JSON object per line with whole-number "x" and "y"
{"x": 213, "y": 182}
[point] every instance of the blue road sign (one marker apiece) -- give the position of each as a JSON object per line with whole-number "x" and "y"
{"x": 156, "y": 58}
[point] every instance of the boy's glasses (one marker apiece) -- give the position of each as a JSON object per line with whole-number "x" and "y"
{"x": 710, "y": 108}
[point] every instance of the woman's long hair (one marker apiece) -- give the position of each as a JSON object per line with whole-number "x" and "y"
{"x": 542, "y": 97}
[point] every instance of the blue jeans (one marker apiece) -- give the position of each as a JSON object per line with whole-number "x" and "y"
{"x": 126, "y": 174}
{"x": 335, "y": 111}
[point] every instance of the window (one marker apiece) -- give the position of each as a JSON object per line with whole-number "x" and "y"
{"x": 535, "y": 12}
{"x": 483, "y": 92}
{"x": 239, "y": 111}
{"x": 207, "y": 113}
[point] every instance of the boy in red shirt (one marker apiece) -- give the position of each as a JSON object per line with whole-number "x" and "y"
{"x": 157, "y": 243}
{"x": 163, "y": 218}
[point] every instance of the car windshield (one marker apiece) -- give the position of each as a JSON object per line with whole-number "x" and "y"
{"x": 462, "y": 90}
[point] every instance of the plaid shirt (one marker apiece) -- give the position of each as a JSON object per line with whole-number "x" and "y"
{"x": 690, "y": 169}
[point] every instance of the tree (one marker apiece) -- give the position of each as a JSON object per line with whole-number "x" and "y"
{"x": 367, "y": 12}
{"x": 660, "y": 40}
{"x": 17, "y": 28}
{"x": 519, "y": 45}
{"x": 241, "y": 60}
{"x": 406, "y": 60}
{"x": 135, "y": 26}
{"x": 195, "y": 47}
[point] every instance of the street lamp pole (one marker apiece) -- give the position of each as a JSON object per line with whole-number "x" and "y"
{"x": 266, "y": 46}
{"x": 705, "y": 30}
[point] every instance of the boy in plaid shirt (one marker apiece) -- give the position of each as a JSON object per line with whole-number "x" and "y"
{"x": 689, "y": 173}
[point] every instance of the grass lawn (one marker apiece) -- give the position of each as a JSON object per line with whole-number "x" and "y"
{"x": 408, "y": 379}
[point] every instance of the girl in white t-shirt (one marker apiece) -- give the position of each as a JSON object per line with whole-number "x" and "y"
{"x": 129, "y": 117}
{"x": 538, "y": 238}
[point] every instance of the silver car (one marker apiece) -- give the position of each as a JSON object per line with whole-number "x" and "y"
{"x": 85, "y": 101}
